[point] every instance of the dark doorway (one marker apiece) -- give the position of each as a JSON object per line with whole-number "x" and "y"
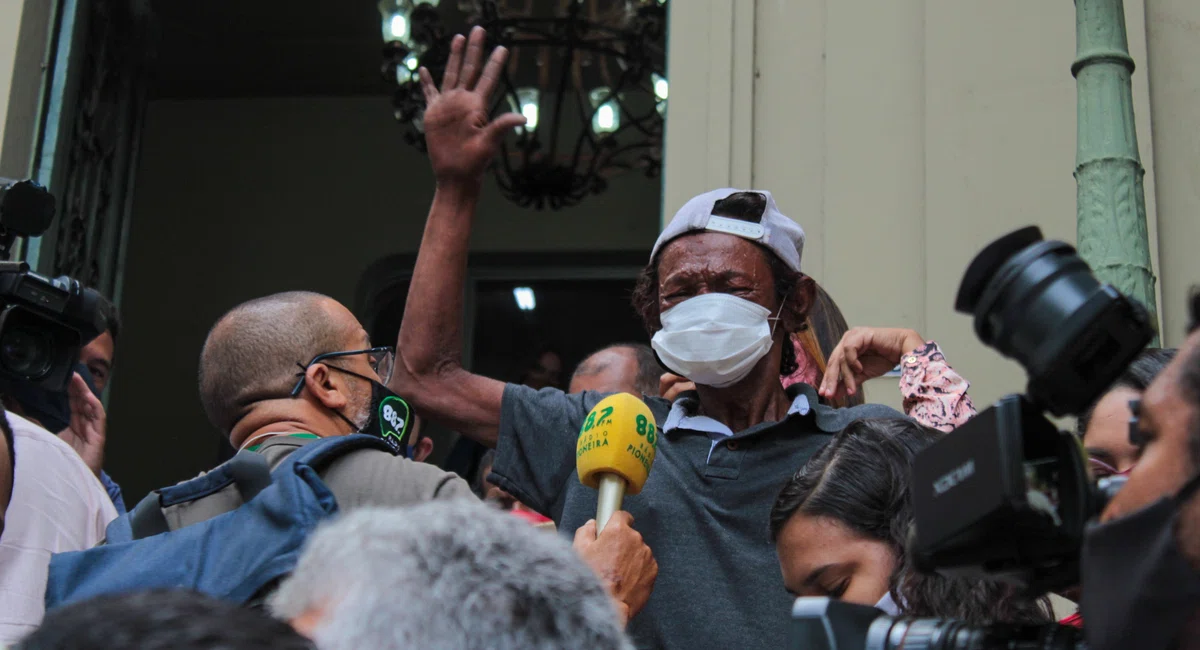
{"x": 517, "y": 306}
{"x": 570, "y": 317}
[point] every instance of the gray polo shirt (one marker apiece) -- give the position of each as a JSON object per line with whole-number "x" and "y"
{"x": 703, "y": 510}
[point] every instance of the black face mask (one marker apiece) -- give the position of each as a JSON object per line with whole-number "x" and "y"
{"x": 1138, "y": 589}
{"x": 391, "y": 416}
{"x": 51, "y": 408}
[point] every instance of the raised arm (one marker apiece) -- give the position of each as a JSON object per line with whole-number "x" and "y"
{"x": 934, "y": 394}
{"x": 461, "y": 142}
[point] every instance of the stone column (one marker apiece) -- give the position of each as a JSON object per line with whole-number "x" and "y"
{"x": 1111, "y": 204}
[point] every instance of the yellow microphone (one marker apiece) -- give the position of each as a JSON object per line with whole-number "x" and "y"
{"x": 615, "y": 451}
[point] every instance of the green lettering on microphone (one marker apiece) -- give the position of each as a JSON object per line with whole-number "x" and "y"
{"x": 589, "y": 445}
{"x": 641, "y": 457}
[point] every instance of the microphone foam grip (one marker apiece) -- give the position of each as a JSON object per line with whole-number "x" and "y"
{"x": 618, "y": 437}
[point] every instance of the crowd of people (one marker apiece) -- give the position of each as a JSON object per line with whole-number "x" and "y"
{"x": 773, "y": 479}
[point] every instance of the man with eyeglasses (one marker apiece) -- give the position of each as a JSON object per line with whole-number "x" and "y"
{"x": 279, "y": 372}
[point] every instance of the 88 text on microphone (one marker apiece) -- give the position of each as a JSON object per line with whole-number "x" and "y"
{"x": 616, "y": 448}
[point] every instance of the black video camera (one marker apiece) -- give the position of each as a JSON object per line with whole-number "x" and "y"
{"x": 826, "y": 624}
{"x": 43, "y": 322}
{"x": 1007, "y": 495}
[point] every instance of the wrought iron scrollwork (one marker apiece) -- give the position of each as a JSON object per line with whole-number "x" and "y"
{"x": 101, "y": 117}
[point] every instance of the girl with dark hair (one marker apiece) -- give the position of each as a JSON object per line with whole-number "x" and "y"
{"x": 841, "y": 522}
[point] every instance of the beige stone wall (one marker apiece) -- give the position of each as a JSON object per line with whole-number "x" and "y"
{"x": 1173, "y": 29}
{"x": 24, "y": 36}
{"x": 906, "y": 135}
{"x": 10, "y": 24}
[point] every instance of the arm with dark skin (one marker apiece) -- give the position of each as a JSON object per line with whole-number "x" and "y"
{"x": 461, "y": 142}
{"x": 621, "y": 559}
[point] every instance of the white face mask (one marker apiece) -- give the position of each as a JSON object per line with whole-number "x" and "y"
{"x": 714, "y": 339}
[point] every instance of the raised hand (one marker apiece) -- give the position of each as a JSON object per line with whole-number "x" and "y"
{"x": 865, "y": 353}
{"x": 86, "y": 433}
{"x": 458, "y": 133}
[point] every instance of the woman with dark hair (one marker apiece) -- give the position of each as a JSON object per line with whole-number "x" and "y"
{"x": 841, "y": 522}
{"x": 1104, "y": 428}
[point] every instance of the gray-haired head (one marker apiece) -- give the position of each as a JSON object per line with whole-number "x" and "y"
{"x": 446, "y": 575}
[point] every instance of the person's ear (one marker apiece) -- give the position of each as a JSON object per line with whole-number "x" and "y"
{"x": 795, "y": 310}
{"x": 327, "y": 390}
{"x": 422, "y": 449}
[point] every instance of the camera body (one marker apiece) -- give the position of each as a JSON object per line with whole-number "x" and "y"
{"x": 1011, "y": 496}
{"x": 1007, "y": 495}
{"x": 43, "y": 322}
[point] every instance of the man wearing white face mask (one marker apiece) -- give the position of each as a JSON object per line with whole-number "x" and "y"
{"x": 721, "y": 293}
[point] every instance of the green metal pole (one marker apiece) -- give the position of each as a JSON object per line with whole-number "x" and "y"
{"x": 1111, "y": 201}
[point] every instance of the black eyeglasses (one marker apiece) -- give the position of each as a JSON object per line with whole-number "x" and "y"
{"x": 1135, "y": 431}
{"x": 381, "y": 359}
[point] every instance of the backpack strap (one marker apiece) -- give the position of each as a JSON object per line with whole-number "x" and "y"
{"x": 324, "y": 451}
{"x": 247, "y": 471}
{"x": 250, "y": 472}
{"x": 146, "y": 519}
{"x": 236, "y": 555}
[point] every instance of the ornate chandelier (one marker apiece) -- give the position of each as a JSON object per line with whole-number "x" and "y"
{"x": 588, "y": 75}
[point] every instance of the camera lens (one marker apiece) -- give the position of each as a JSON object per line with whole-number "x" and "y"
{"x": 925, "y": 634}
{"x": 26, "y": 353}
{"x": 888, "y": 633}
{"x": 1038, "y": 303}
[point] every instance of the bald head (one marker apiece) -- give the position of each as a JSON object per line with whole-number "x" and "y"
{"x": 252, "y": 353}
{"x": 623, "y": 368}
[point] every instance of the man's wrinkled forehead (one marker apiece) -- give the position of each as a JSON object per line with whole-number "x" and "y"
{"x": 709, "y": 252}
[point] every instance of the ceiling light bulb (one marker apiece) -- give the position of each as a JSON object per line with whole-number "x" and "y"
{"x": 525, "y": 298}
{"x": 660, "y": 86}
{"x": 399, "y": 27}
{"x": 607, "y": 118}
{"x": 527, "y": 99}
{"x": 530, "y": 111}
